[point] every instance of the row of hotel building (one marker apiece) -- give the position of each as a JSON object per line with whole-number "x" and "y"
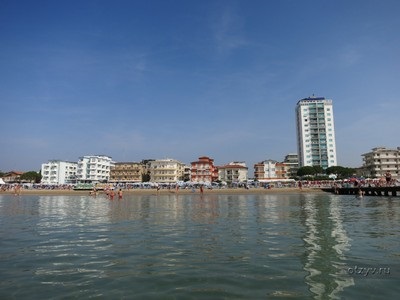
{"x": 315, "y": 142}
{"x": 101, "y": 168}
{"x": 316, "y": 146}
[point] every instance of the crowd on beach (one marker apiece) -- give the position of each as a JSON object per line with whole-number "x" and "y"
{"x": 26, "y": 186}
{"x": 165, "y": 186}
{"x": 111, "y": 188}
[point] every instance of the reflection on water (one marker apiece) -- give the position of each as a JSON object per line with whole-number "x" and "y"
{"x": 326, "y": 244}
{"x": 193, "y": 246}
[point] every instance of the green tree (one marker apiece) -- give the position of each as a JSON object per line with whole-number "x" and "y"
{"x": 318, "y": 170}
{"x": 146, "y": 177}
{"x": 31, "y": 176}
{"x": 306, "y": 171}
{"x": 341, "y": 172}
{"x": 333, "y": 170}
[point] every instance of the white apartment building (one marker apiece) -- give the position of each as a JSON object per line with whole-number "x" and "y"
{"x": 265, "y": 169}
{"x": 234, "y": 172}
{"x": 382, "y": 160}
{"x": 58, "y": 172}
{"x": 316, "y": 132}
{"x": 94, "y": 168}
{"x": 166, "y": 171}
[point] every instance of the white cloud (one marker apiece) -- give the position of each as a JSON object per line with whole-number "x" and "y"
{"x": 228, "y": 31}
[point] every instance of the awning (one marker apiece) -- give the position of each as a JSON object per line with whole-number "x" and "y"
{"x": 276, "y": 180}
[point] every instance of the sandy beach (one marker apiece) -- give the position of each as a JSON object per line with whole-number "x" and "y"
{"x": 228, "y": 191}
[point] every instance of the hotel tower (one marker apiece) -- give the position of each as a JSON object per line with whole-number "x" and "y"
{"x": 316, "y": 144}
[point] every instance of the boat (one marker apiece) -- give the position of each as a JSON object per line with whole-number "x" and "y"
{"x": 89, "y": 186}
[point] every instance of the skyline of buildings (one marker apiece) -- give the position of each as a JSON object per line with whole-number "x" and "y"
{"x": 376, "y": 164}
{"x": 316, "y": 146}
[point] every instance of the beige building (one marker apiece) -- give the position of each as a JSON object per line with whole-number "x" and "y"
{"x": 12, "y": 176}
{"x": 166, "y": 171}
{"x": 382, "y": 160}
{"x": 271, "y": 170}
{"x": 127, "y": 172}
{"x": 292, "y": 162}
{"x": 233, "y": 172}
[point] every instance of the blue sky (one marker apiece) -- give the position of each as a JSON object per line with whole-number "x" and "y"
{"x": 183, "y": 79}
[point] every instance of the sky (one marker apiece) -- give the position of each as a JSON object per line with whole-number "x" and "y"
{"x": 182, "y": 79}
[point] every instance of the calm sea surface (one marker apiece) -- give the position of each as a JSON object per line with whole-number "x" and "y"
{"x": 297, "y": 246}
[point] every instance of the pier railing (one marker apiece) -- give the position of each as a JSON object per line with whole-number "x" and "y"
{"x": 365, "y": 191}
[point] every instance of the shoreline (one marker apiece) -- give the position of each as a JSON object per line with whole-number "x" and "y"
{"x": 139, "y": 192}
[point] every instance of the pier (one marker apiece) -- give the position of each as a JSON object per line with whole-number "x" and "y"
{"x": 388, "y": 191}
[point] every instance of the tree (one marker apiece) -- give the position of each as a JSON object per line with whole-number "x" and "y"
{"x": 318, "y": 170}
{"x": 146, "y": 177}
{"x": 306, "y": 171}
{"x": 341, "y": 172}
{"x": 31, "y": 176}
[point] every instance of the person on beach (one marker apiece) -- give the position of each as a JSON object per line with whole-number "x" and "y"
{"x": 120, "y": 194}
{"x": 388, "y": 178}
{"x": 17, "y": 190}
{"x": 201, "y": 189}
{"x": 335, "y": 188}
{"x": 300, "y": 185}
{"x": 93, "y": 192}
{"x": 112, "y": 194}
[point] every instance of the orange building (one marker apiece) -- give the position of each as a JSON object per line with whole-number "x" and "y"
{"x": 203, "y": 170}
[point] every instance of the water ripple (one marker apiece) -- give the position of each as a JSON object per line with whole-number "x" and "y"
{"x": 191, "y": 247}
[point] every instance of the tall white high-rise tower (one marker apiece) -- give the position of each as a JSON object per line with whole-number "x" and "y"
{"x": 315, "y": 132}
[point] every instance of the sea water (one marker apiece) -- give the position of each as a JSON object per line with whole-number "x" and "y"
{"x": 260, "y": 246}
